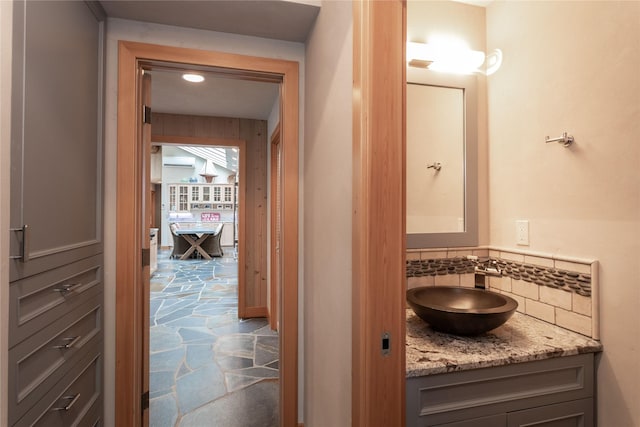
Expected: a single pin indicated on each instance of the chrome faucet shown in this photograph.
(483, 268)
(488, 268)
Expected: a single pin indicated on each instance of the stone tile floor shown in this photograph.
(207, 367)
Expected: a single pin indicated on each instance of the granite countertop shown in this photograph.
(521, 339)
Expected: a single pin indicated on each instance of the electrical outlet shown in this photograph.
(522, 232)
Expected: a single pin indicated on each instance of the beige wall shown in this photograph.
(575, 67)
(327, 228)
(118, 29)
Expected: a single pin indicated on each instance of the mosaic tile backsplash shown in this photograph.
(570, 281)
(553, 289)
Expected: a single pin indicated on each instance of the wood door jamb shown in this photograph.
(128, 280)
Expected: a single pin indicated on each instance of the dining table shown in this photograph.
(195, 237)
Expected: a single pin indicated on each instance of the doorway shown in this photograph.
(205, 362)
(130, 292)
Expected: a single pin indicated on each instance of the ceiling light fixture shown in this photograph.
(193, 78)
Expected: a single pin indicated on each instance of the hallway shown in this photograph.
(207, 367)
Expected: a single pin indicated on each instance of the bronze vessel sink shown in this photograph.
(460, 311)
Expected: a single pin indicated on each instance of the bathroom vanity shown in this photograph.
(526, 372)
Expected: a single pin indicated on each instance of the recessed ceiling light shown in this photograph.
(194, 78)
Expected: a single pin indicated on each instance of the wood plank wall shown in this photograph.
(254, 132)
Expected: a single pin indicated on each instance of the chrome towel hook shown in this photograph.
(437, 166)
(565, 139)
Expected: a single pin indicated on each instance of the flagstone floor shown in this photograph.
(207, 367)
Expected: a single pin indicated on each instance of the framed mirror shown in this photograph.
(442, 159)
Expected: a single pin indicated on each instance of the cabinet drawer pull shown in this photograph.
(24, 256)
(72, 399)
(66, 288)
(71, 342)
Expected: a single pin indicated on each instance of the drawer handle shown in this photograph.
(71, 343)
(66, 288)
(73, 400)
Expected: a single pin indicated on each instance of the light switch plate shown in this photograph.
(522, 232)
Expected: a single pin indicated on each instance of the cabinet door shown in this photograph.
(56, 135)
(206, 193)
(195, 193)
(183, 198)
(173, 198)
(217, 193)
(228, 194)
(577, 413)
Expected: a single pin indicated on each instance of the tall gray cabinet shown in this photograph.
(56, 268)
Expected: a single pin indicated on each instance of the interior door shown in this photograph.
(145, 240)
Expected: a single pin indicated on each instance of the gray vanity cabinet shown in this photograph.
(577, 413)
(556, 392)
(56, 266)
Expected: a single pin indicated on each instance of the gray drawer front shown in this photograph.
(35, 302)
(77, 403)
(490, 421)
(38, 362)
(457, 396)
(578, 413)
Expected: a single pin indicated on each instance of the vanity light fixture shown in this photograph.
(451, 55)
(193, 78)
(493, 62)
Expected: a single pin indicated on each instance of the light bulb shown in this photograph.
(193, 78)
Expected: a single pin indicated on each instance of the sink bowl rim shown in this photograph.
(509, 303)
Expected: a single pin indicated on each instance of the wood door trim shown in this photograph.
(378, 380)
(128, 224)
(273, 282)
(243, 310)
(145, 157)
(129, 329)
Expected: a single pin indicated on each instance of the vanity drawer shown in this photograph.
(75, 403)
(43, 359)
(37, 301)
(458, 396)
